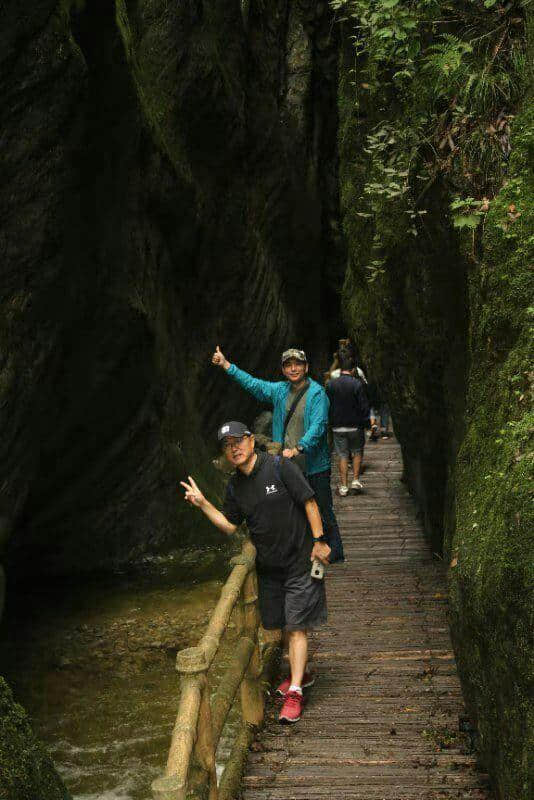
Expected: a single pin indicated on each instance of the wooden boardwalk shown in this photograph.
(382, 721)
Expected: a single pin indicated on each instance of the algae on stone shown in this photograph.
(26, 772)
(492, 543)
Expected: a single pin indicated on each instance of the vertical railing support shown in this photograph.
(204, 750)
(251, 690)
(191, 666)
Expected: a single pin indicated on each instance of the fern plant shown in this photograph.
(450, 75)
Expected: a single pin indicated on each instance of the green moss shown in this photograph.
(154, 95)
(493, 543)
(408, 320)
(169, 47)
(26, 772)
(446, 326)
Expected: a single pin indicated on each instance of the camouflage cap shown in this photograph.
(299, 355)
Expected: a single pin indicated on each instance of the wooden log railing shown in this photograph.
(190, 770)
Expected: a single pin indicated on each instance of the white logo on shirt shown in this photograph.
(270, 489)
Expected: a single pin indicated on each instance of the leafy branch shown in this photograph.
(450, 76)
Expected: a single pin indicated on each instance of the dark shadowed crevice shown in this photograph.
(98, 400)
(192, 201)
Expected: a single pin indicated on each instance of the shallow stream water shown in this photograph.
(93, 664)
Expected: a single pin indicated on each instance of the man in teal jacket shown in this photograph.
(300, 425)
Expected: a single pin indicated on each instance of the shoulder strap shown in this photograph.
(291, 411)
(278, 470)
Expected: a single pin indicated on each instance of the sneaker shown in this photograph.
(384, 435)
(343, 491)
(356, 485)
(307, 681)
(292, 708)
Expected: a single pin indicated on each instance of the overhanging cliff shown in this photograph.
(170, 184)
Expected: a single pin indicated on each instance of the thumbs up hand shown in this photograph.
(219, 359)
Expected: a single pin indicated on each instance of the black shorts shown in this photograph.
(295, 603)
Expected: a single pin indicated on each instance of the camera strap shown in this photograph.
(291, 411)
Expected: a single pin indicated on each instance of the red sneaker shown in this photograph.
(307, 681)
(292, 708)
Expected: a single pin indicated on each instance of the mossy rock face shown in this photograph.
(447, 328)
(410, 324)
(492, 547)
(169, 184)
(26, 772)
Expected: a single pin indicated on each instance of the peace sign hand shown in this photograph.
(219, 359)
(192, 493)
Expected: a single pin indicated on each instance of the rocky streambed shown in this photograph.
(94, 666)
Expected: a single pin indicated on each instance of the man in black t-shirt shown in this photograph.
(273, 497)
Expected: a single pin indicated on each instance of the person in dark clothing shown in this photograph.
(349, 417)
(379, 411)
(346, 350)
(273, 497)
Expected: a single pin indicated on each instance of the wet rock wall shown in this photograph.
(444, 318)
(170, 183)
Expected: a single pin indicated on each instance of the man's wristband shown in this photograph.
(321, 538)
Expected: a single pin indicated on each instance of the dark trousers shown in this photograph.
(320, 483)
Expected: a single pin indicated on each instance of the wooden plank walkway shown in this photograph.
(382, 721)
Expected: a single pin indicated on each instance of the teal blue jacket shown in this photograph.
(314, 441)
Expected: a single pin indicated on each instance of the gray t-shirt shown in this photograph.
(295, 429)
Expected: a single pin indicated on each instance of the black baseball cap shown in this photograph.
(236, 429)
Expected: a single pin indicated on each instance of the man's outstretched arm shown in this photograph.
(261, 390)
(194, 496)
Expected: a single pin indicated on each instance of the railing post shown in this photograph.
(191, 665)
(239, 616)
(205, 751)
(251, 691)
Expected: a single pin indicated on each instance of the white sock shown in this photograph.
(294, 688)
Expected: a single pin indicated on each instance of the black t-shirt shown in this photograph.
(349, 407)
(271, 500)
